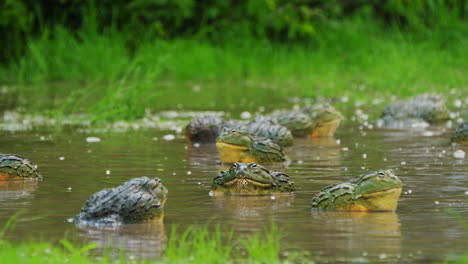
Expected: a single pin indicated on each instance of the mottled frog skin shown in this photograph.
(16, 167)
(295, 120)
(207, 128)
(460, 135)
(375, 191)
(137, 200)
(419, 111)
(266, 128)
(251, 179)
(240, 146)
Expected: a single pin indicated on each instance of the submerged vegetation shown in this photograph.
(114, 60)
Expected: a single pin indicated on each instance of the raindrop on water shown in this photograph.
(364, 156)
(93, 139)
(107, 172)
(459, 154)
(62, 158)
(436, 202)
(189, 172)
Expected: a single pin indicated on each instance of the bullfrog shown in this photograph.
(317, 120)
(206, 129)
(16, 167)
(267, 128)
(236, 145)
(460, 135)
(251, 179)
(375, 191)
(420, 111)
(137, 200)
(295, 120)
(325, 119)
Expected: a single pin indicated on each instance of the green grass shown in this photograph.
(95, 73)
(193, 245)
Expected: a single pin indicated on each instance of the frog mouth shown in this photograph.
(243, 181)
(394, 190)
(221, 144)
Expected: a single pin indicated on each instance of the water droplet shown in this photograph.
(338, 141)
(199, 183)
(272, 198)
(300, 162)
(384, 159)
(403, 163)
(261, 109)
(70, 220)
(436, 202)
(405, 192)
(61, 158)
(211, 193)
(466, 192)
(69, 188)
(344, 99)
(189, 172)
(383, 256)
(173, 173)
(428, 134)
(245, 115)
(410, 191)
(363, 167)
(344, 149)
(364, 156)
(459, 154)
(107, 172)
(196, 145)
(93, 139)
(42, 138)
(169, 137)
(155, 138)
(364, 254)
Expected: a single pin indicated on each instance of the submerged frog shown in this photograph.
(375, 191)
(240, 146)
(16, 167)
(137, 200)
(251, 179)
(420, 111)
(460, 135)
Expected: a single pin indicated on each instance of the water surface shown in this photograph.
(421, 230)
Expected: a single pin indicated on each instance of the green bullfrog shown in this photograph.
(267, 128)
(236, 145)
(375, 191)
(16, 167)
(251, 179)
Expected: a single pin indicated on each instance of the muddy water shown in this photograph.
(421, 230)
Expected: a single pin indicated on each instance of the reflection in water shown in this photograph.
(147, 240)
(360, 234)
(248, 211)
(17, 189)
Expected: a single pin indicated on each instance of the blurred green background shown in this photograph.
(116, 59)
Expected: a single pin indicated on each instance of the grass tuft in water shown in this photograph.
(193, 245)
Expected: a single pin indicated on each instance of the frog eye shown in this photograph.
(381, 174)
(235, 165)
(253, 165)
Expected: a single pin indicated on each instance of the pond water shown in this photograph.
(422, 229)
